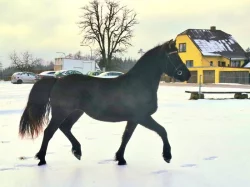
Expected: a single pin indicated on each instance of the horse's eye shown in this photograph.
(179, 72)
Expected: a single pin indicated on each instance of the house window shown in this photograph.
(221, 64)
(211, 63)
(235, 63)
(182, 47)
(189, 63)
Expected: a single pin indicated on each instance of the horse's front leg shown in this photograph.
(130, 127)
(151, 124)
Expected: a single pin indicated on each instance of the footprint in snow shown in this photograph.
(105, 161)
(211, 158)
(160, 172)
(6, 169)
(5, 141)
(87, 138)
(24, 157)
(188, 165)
(25, 165)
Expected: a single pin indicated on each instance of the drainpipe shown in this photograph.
(200, 86)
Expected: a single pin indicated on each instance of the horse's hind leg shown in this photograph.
(55, 122)
(66, 129)
(125, 138)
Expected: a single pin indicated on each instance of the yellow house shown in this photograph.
(212, 56)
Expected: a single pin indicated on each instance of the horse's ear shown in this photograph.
(170, 43)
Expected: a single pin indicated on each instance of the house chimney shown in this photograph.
(213, 28)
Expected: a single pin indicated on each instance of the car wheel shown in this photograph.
(19, 81)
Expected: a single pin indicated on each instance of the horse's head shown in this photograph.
(173, 66)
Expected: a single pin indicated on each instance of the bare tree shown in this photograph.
(24, 62)
(108, 24)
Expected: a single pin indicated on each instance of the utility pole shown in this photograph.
(90, 50)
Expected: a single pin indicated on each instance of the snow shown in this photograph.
(247, 65)
(213, 46)
(232, 40)
(209, 139)
(210, 54)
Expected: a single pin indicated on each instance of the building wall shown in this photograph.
(57, 67)
(192, 53)
(217, 70)
(205, 61)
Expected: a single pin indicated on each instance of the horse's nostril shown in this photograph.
(179, 72)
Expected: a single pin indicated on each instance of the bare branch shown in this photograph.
(24, 63)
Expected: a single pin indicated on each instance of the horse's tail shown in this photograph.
(36, 113)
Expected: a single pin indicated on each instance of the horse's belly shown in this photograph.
(112, 114)
(108, 117)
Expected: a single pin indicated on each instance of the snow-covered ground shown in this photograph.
(209, 139)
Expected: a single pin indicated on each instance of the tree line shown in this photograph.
(26, 62)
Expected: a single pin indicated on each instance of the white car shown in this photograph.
(23, 77)
(46, 74)
(110, 74)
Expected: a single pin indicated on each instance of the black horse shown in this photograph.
(131, 97)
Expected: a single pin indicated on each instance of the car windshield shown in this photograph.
(60, 72)
(47, 72)
(103, 74)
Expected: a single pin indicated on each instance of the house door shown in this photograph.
(208, 76)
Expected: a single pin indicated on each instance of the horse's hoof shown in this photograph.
(42, 162)
(122, 162)
(167, 160)
(78, 156)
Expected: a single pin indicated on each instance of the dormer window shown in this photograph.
(182, 47)
(235, 63)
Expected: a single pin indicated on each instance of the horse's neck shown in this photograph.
(147, 70)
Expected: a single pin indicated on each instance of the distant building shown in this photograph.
(213, 54)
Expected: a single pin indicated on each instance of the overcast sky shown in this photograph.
(44, 27)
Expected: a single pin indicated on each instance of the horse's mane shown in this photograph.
(158, 48)
(148, 62)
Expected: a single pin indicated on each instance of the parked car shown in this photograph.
(110, 74)
(63, 73)
(94, 73)
(46, 74)
(23, 77)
